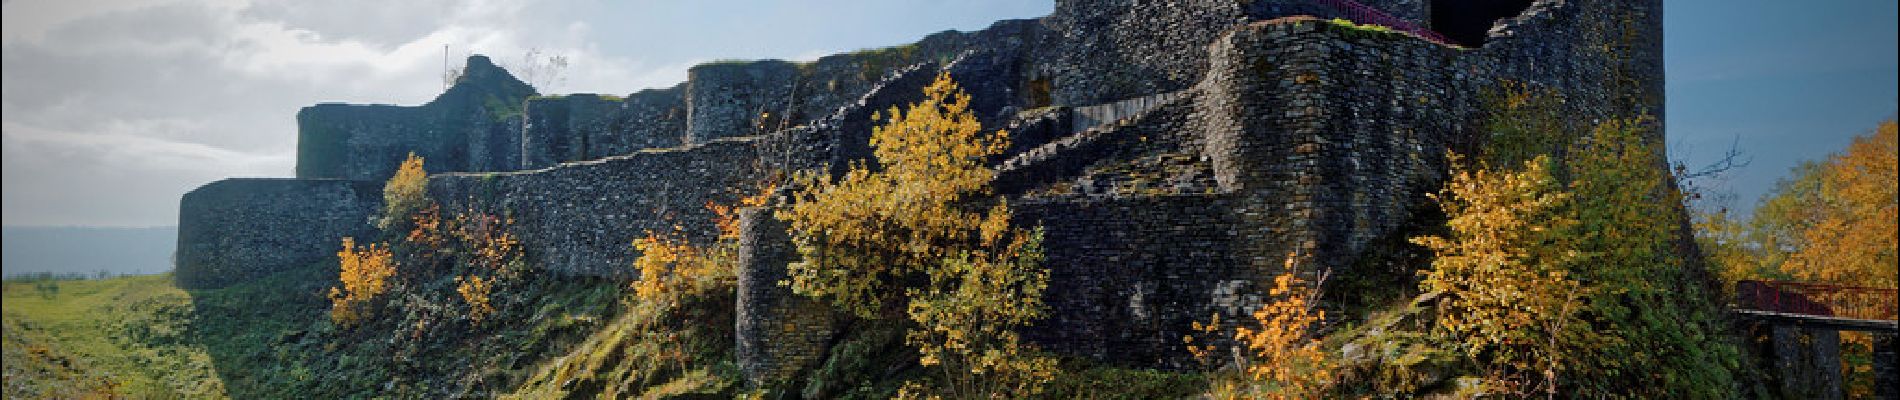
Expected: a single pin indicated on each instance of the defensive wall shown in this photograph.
(1177, 154)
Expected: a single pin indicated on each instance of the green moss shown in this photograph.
(1355, 30)
(874, 63)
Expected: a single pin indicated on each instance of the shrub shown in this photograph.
(364, 275)
(671, 268)
(1504, 272)
(922, 230)
(405, 193)
(474, 291)
(1567, 273)
(1279, 357)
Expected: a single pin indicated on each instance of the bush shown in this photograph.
(921, 230)
(405, 193)
(1504, 273)
(1279, 357)
(364, 275)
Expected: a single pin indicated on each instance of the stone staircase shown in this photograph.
(1099, 134)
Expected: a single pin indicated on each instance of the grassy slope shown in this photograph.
(145, 338)
(116, 336)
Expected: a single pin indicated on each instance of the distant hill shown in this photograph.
(88, 250)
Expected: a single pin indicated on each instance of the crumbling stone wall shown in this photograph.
(778, 333)
(238, 230)
(1286, 139)
(735, 98)
(474, 126)
(583, 126)
(1347, 129)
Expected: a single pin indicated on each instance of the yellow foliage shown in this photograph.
(1505, 270)
(1206, 354)
(405, 193)
(364, 275)
(475, 291)
(1836, 218)
(1853, 236)
(873, 225)
(871, 237)
(489, 242)
(671, 268)
(1284, 360)
(426, 228)
(726, 217)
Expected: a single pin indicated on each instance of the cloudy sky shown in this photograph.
(114, 108)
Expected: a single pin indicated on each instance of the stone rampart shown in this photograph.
(1294, 139)
(238, 230)
(582, 217)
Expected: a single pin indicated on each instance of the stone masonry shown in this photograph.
(1178, 153)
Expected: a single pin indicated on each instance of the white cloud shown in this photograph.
(114, 108)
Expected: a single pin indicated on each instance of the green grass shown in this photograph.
(119, 335)
(142, 337)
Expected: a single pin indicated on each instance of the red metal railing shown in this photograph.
(1818, 299)
(1360, 13)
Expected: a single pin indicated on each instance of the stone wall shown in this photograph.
(1128, 276)
(1331, 133)
(736, 98)
(238, 230)
(1112, 50)
(778, 333)
(1291, 139)
(582, 217)
(474, 126)
(584, 126)
(1605, 57)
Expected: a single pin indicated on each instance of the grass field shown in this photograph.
(119, 336)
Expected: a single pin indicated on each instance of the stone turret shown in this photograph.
(474, 126)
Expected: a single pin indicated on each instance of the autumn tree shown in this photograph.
(920, 234)
(1831, 221)
(1279, 356)
(1505, 272)
(404, 194)
(1562, 271)
(1852, 237)
(364, 275)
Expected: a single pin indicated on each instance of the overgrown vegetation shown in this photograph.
(1830, 221)
(1561, 273)
(105, 338)
(1558, 273)
(920, 235)
(1279, 356)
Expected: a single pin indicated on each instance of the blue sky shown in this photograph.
(114, 108)
(1783, 80)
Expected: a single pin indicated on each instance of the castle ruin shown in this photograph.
(1177, 153)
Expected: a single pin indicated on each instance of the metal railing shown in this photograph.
(1363, 14)
(1818, 299)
